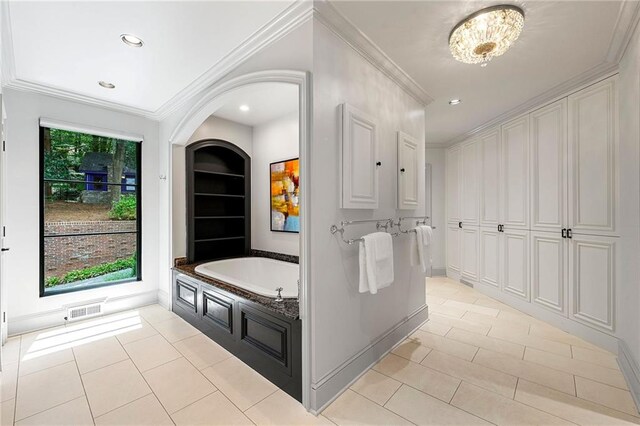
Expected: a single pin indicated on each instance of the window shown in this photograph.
(90, 211)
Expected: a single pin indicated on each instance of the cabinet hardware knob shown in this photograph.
(4, 249)
(569, 233)
(459, 224)
(402, 170)
(379, 163)
(564, 232)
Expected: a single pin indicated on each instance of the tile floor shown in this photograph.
(476, 361)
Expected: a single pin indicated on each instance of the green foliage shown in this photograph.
(124, 209)
(94, 271)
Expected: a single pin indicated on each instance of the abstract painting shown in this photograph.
(285, 196)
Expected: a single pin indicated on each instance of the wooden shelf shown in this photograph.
(220, 173)
(206, 240)
(204, 194)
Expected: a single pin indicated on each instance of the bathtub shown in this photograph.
(258, 275)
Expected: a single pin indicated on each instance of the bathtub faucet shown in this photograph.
(279, 297)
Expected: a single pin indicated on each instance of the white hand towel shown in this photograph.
(424, 235)
(376, 262)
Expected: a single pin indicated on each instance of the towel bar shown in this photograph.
(380, 224)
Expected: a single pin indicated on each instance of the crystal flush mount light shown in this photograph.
(486, 34)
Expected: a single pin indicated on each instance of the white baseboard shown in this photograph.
(439, 272)
(164, 299)
(630, 370)
(325, 391)
(55, 317)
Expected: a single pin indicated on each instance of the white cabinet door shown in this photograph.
(549, 271)
(515, 263)
(470, 239)
(407, 172)
(453, 249)
(453, 184)
(470, 185)
(489, 270)
(515, 173)
(489, 159)
(593, 152)
(548, 167)
(592, 261)
(359, 159)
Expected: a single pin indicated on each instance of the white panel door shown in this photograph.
(593, 152)
(359, 159)
(489, 159)
(489, 253)
(592, 261)
(407, 172)
(548, 167)
(515, 173)
(453, 249)
(470, 185)
(515, 263)
(469, 264)
(549, 262)
(453, 184)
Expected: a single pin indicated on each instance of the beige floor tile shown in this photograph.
(445, 344)
(41, 340)
(214, 409)
(447, 310)
(552, 333)
(460, 323)
(423, 409)
(411, 350)
(532, 341)
(569, 407)
(519, 317)
(144, 411)
(496, 345)
(531, 371)
(488, 378)
(7, 409)
(73, 413)
(151, 352)
(281, 409)
(11, 350)
(500, 410)
(178, 384)
(579, 368)
(176, 329)
(155, 314)
(480, 319)
(606, 395)
(8, 382)
(471, 307)
(99, 354)
(239, 382)
(435, 383)
(353, 409)
(45, 389)
(141, 331)
(435, 300)
(435, 328)
(491, 303)
(114, 386)
(375, 386)
(464, 297)
(595, 357)
(201, 351)
(41, 360)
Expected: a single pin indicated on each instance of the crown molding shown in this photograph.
(342, 27)
(627, 21)
(562, 90)
(288, 20)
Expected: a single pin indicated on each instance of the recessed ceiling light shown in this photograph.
(131, 40)
(107, 85)
(244, 108)
(455, 101)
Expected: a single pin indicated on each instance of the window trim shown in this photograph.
(138, 232)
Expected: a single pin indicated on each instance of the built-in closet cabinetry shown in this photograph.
(542, 212)
(407, 172)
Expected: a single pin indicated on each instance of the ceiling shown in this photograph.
(560, 40)
(266, 102)
(71, 45)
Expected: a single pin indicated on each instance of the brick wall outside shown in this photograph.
(64, 254)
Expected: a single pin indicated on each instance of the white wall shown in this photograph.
(26, 309)
(436, 157)
(273, 141)
(344, 321)
(212, 128)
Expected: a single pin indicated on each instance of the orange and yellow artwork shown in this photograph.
(285, 196)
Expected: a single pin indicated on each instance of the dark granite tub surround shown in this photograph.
(277, 256)
(288, 307)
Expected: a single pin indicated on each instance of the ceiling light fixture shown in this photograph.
(486, 34)
(107, 85)
(244, 108)
(131, 40)
(455, 101)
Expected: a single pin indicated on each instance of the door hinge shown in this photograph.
(4, 231)
(4, 317)
(4, 145)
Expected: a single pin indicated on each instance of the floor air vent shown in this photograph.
(79, 312)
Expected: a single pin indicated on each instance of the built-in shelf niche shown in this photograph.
(218, 200)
